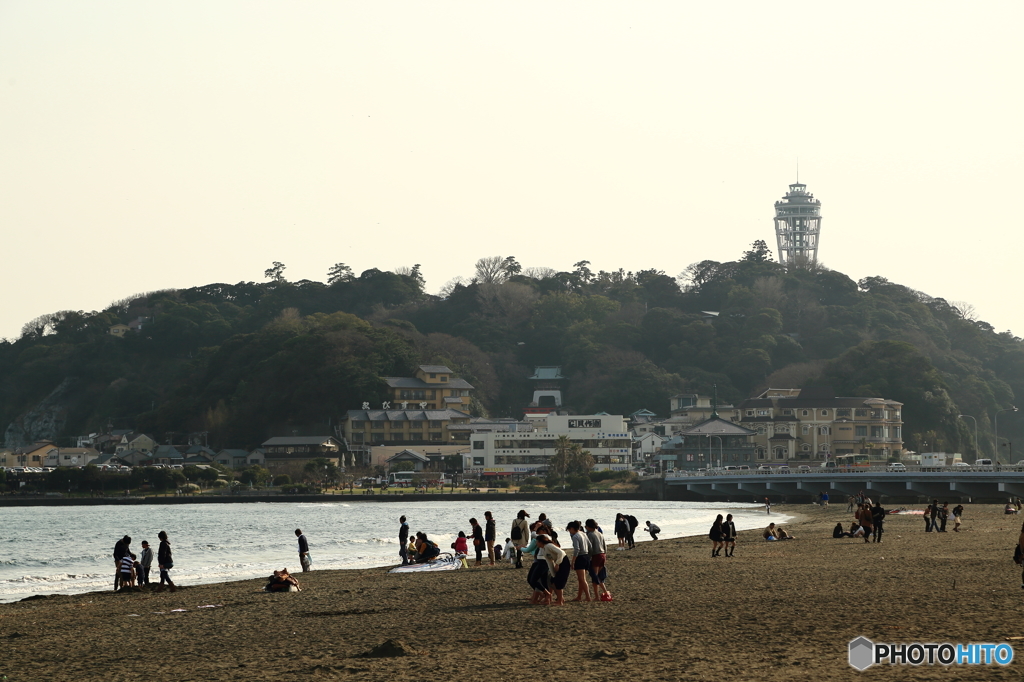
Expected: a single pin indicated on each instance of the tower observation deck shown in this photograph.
(797, 224)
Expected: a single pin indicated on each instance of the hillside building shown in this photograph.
(434, 387)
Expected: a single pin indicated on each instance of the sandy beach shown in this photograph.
(776, 611)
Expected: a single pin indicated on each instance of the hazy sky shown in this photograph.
(150, 145)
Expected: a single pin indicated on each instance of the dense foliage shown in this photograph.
(245, 361)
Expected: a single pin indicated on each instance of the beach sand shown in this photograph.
(776, 611)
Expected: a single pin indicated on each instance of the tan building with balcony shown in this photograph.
(432, 388)
(813, 423)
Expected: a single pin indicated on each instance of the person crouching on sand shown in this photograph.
(558, 568)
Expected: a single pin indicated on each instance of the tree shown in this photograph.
(275, 273)
(511, 266)
(254, 475)
(758, 253)
(491, 270)
(570, 459)
(339, 272)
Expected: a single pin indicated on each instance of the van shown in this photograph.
(983, 465)
(828, 464)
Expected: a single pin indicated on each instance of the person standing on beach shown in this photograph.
(767, 505)
(520, 535)
(824, 499)
(490, 535)
(934, 514)
(478, 540)
(716, 536)
(850, 502)
(580, 559)
(403, 540)
(165, 561)
(631, 524)
(146, 562)
(878, 517)
(621, 530)
(729, 536)
(958, 512)
(120, 550)
(598, 555)
(943, 517)
(303, 551)
(866, 521)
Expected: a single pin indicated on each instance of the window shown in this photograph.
(760, 430)
(478, 461)
(806, 430)
(435, 435)
(760, 453)
(824, 413)
(689, 457)
(746, 456)
(804, 413)
(444, 379)
(762, 413)
(735, 457)
(878, 432)
(358, 424)
(860, 431)
(787, 412)
(806, 447)
(435, 424)
(896, 432)
(433, 376)
(780, 453)
(750, 413)
(824, 447)
(843, 413)
(378, 437)
(860, 413)
(824, 430)
(416, 424)
(478, 445)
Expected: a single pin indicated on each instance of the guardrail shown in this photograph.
(832, 471)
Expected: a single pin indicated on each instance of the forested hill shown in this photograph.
(242, 361)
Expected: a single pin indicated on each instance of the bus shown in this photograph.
(409, 479)
(851, 462)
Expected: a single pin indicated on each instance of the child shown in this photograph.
(128, 571)
(509, 552)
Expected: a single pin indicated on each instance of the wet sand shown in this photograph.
(775, 611)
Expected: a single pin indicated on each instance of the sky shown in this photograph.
(147, 146)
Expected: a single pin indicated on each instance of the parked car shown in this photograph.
(744, 467)
(729, 468)
(961, 466)
(896, 466)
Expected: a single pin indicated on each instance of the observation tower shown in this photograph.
(797, 223)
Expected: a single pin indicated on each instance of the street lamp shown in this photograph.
(710, 446)
(995, 431)
(967, 416)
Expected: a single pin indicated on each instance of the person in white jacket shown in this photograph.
(558, 568)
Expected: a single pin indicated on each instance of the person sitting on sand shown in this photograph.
(782, 534)
(1009, 509)
(282, 581)
(770, 534)
(426, 550)
(838, 532)
(461, 544)
(856, 530)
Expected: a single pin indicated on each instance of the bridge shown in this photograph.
(909, 486)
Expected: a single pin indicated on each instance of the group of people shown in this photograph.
(936, 516)
(131, 572)
(868, 523)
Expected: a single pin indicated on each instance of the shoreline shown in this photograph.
(782, 611)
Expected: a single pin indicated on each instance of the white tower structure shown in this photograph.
(797, 224)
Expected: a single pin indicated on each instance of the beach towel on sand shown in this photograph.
(445, 562)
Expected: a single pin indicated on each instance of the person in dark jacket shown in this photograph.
(120, 551)
(478, 540)
(729, 536)
(165, 561)
(878, 518)
(631, 523)
(716, 536)
(490, 535)
(621, 529)
(403, 541)
(304, 558)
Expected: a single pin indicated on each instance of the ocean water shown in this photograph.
(68, 550)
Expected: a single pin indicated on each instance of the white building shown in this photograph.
(527, 454)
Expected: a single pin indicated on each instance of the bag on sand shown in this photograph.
(306, 560)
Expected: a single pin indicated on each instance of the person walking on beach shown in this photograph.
(490, 534)
(716, 536)
(478, 540)
(850, 501)
(934, 514)
(146, 562)
(943, 516)
(958, 513)
(653, 529)
(120, 549)
(165, 562)
(403, 540)
(580, 559)
(729, 536)
(304, 558)
(824, 499)
(520, 535)
(598, 555)
(878, 518)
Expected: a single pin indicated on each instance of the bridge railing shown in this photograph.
(833, 471)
